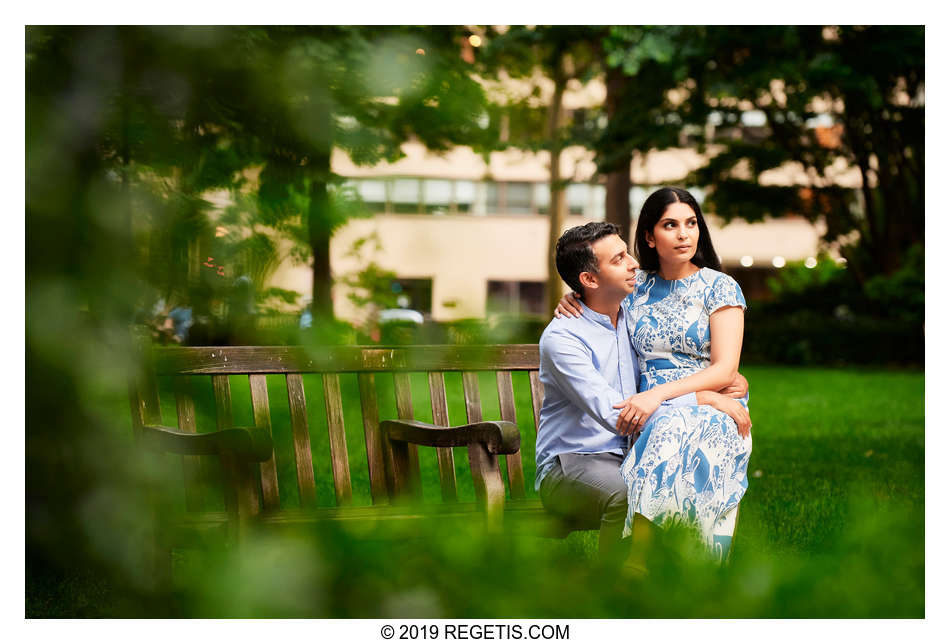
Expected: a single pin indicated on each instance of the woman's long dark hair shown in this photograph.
(653, 209)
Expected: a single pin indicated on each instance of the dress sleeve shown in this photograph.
(725, 291)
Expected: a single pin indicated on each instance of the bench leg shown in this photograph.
(489, 488)
(404, 487)
(242, 495)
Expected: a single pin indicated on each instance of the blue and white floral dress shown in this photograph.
(689, 463)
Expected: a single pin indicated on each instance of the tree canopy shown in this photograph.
(833, 98)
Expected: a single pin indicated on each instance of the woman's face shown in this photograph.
(676, 235)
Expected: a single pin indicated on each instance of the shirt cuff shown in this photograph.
(682, 401)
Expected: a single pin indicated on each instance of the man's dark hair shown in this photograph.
(573, 253)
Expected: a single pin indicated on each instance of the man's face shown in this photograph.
(615, 273)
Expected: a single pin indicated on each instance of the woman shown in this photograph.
(686, 324)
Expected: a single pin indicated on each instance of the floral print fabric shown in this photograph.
(689, 463)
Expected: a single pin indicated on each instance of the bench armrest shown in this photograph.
(498, 436)
(244, 443)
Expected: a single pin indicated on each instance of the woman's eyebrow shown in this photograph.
(666, 219)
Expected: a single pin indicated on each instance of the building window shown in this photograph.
(518, 198)
(406, 196)
(637, 196)
(494, 202)
(542, 197)
(465, 196)
(437, 194)
(415, 195)
(597, 210)
(517, 298)
(371, 191)
(414, 293)
(577, 195)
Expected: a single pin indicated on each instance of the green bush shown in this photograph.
(825, 316)
(809, 337)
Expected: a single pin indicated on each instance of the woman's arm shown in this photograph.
(726, 326)
(568, 306)
(730, 406)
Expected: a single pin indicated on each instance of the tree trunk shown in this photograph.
(320, 221)
(617, 200)
(320, 233)
(558, 207)
(617, 206)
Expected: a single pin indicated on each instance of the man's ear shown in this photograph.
(587, 280)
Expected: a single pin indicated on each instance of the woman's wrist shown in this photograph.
(666, 391)
(712, 398)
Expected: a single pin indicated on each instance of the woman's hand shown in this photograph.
(569, 306)
(635, 411)
(730, 406)
(739, 387)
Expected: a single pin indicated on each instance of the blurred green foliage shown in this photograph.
(165, 166)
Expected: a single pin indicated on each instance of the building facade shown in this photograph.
(467, 237)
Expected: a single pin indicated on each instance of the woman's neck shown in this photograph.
(677, 270)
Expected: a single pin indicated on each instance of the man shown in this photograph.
(588, 366)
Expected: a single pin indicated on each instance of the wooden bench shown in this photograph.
(252, 498)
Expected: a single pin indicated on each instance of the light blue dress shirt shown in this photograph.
(587, 366)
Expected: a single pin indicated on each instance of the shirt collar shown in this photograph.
(600, 318)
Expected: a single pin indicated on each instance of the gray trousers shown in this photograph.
(587, 489)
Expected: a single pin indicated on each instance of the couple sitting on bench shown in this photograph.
(671, 329)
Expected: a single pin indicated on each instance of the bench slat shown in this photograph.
(191, 465)
(473, 399)
(404, 410)
(261, 405)
(146, 409)
(486, 476)
(302, 452)
(506, 402)
(440, 416)
(375, 448)
(339, 459)
(222, 401)
(537, 397)
(245, 360)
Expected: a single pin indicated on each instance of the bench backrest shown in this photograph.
(369, 364)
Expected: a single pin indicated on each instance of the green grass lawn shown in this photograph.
(832, 524)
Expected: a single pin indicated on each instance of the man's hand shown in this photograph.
(730, 406)
(568, 306)
(738, 388)
(635, 411)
